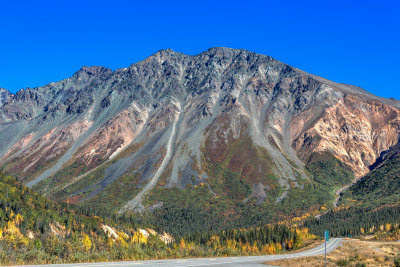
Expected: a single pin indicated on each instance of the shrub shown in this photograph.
(396, 261)
(342, 262)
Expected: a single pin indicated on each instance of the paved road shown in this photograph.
(250, 261)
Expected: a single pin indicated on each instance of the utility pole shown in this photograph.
(326, 239)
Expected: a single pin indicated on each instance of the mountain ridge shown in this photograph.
(244, 112)
(169, 51)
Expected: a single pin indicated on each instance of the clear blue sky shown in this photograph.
(355, 42)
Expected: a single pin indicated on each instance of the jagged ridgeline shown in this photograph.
(225, 138)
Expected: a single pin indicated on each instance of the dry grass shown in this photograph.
(351, 253)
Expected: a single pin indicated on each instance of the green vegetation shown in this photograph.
(327, 174)
(61, 177)
(328, 171)
(115, 195)
(207, 219)
(396, 261)
(224, 201)
(379, 187)
(109, 198)
(197, 208)
(64, 185)
(342, 262)
(265, 239)
(35, 230)
(367, 206)
(356, 221)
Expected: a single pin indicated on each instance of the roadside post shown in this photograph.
(326, 239)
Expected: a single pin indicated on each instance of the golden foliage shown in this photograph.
(12, 234)
(182, 244)
(138, 237)
(86, 242)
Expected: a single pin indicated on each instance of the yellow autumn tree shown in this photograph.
(11, 232)
(138, 237)
(110, 242)
(246, 247)
(214, 242)
(86, 242)
(270, 248)
(122, 237)
(289, 244)
(231, 244)
(182, 244)
(254, 248)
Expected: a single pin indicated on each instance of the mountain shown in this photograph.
(223, 136)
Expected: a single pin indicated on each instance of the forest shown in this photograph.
(35, 230)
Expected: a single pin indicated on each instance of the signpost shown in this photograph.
(326, 239)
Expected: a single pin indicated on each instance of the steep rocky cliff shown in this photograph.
(180, 121)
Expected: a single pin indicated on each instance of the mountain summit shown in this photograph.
(242, 127)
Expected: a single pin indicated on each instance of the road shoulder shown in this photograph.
(349, 253)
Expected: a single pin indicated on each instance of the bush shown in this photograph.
(396, 261)
(342, 262)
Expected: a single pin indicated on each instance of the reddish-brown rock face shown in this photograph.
(115, 135)
(355, 130)
(29, 154)
(166, 121)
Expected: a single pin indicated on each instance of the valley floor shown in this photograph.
(352, 252)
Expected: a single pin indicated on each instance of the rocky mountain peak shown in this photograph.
(3, 91)
(86, 73)
(166, 52)
(5, 95)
